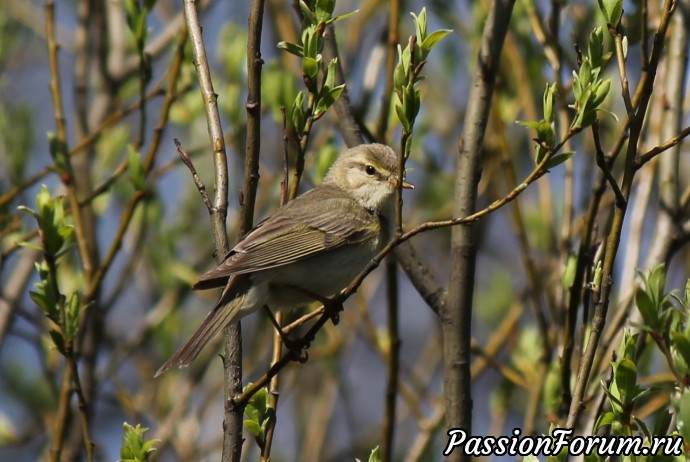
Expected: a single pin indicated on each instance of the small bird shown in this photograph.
(315, 245)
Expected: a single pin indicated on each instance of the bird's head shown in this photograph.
(369, 173)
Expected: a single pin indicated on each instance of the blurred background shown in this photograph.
(127, 96)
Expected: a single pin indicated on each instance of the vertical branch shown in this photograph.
(393, 305)
(232, 425)
(456, 315)
(393, 359)
(232, 444)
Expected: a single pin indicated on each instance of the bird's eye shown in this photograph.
(371, 171)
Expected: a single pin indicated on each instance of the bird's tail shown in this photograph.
(226, 311)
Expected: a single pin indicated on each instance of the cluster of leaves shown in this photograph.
(135, 448)
(666, 319)
(407, 74)
(317, 15)
(589, 90)
(56, 236)
(257, 415)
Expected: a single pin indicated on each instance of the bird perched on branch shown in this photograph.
(312, 247)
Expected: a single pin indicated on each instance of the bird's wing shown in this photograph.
(327, 220)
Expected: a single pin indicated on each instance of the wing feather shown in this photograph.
(296, 231)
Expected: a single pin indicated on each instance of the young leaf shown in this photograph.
(432, 39)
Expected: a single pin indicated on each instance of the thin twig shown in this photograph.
(195, 176)
(655, 151)
(603, 165)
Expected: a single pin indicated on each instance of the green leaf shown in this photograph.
(324, 9)
(549, 101)
(662, 421)
(308, 14)
(134, 445)
(614, 397)
(297, 113)
(600, 92)
(329, 78)
(310, 67)
(291, 48)
(420, 24)
(656, 283)
(628, 347)
(558, 159)
(681, 344)
(603, 420)
(647, 309)
(254, 428)
(612, 10)
(72, 312)
(375, 456)
(432, 39)
(625, 378)
(402, 117)
(595, 50)
(310, 42)
(342, 17)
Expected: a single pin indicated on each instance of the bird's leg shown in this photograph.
(296, 350)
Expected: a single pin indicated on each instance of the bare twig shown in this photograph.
(195, 176)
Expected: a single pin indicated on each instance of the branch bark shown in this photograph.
(456, 315)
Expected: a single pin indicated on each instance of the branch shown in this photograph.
(456, 317)
(232, 365)
(655, 151)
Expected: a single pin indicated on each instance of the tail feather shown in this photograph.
(225, 311)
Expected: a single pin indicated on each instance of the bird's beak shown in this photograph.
(405, 184)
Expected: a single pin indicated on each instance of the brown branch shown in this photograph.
(200, 186)
(232, 363)
(655, 151)
(456, 316)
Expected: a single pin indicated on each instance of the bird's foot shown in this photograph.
(333, 307)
